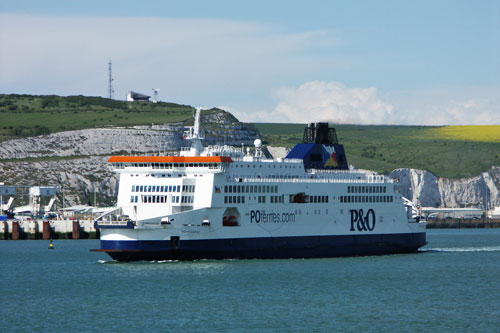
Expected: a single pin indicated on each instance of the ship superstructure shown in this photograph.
(225, 202)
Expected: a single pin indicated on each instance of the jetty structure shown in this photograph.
(38, 204)
(225, 202)
(40, 218)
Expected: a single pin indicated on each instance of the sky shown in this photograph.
(350, 62)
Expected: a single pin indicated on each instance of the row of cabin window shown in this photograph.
(276, 198)
(318, 199)
(366, 189)
(154, 199)
(157, 188)
(251, 189)
(234, 199)
(188, 188)
(187, 199)
(174, 165)
(260, 199)
(269, 166)
(365, 198)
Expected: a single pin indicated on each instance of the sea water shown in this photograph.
(452, 285)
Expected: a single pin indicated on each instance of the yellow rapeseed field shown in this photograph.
(482, 133)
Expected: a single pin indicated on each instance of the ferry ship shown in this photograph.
(220, 202)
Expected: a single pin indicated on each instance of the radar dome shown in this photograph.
(257, 143)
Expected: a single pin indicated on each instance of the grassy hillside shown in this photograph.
(449, 151)
(26, 115)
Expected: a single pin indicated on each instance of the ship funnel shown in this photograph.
(320, 148)
(320, 133)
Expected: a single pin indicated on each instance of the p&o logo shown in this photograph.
(362, 222)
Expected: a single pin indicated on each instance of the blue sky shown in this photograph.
(370, 62)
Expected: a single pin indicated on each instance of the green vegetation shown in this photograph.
(450, 151)
(27, 115)
(480, 133)
(385, 148)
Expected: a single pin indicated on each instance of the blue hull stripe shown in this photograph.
(265, 248)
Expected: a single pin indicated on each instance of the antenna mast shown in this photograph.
(110, 84)
(194, 135)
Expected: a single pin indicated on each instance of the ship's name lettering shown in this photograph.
(361, 221)
(260, 216)
(184, 231)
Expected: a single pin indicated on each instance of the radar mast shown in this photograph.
(193, 134)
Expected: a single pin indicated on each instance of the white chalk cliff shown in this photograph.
(428, 190)
(77, 160)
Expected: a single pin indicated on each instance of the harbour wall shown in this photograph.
(48, 229)
(84, 229)
(462, 223)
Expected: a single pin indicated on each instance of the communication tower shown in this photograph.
(110, 84)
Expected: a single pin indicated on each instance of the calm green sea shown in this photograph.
(453, 285)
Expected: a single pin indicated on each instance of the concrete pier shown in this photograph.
(48, 229)
(34, 231)
(84, 229)
(462, 223)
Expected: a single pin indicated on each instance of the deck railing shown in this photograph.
(370, 180)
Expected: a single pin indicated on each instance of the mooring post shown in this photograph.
(76, 229)
(16, 230)
(5, 230)
(46, 230)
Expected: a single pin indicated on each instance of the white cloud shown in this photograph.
(475, 107)
(334, 102)
(329, 101)
(466, 112)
